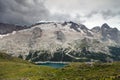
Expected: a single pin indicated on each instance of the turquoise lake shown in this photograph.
(54, 65)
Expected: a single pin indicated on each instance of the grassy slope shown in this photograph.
(17, 69)
(82, 71)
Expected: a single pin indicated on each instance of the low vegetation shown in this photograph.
(12, 68)
(17, 69)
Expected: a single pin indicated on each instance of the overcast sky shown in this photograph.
(89, 12)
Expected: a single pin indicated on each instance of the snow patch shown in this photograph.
(1, 36)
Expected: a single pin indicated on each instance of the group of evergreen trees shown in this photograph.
(60, 55)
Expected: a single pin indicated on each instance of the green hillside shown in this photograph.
(16, 69)
(82, 71)
(12, 68)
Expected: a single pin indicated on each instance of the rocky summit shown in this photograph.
(61, 41)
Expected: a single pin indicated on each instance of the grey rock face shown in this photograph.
(105, 26)
(63, 24)
(37, 32)
(96, 29)
(60, 35)
(114, 34)
(110, 33)
(68, 37)
(74, 26)
(83, 27)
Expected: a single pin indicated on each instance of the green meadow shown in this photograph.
(12, 68)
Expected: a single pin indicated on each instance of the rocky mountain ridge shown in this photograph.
(66, 41)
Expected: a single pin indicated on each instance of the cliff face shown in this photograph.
(60, 41)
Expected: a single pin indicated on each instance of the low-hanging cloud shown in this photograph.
(83, 11)
(91, 12)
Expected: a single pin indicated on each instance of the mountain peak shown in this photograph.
(105, 25)
(95, 29)
(83, 27)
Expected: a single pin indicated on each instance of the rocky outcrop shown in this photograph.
(60, 36)
(110, 33)
(96, 29)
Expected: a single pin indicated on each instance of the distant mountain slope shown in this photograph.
(67, 41)
(9, 28)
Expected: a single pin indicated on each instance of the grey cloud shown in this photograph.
(31, 11)
(22, 11)
(22, 2)
(65, 17)
(109, 14)
(91, 14)
(106, 14)
(60, 17)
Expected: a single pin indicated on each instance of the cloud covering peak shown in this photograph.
(88, 12)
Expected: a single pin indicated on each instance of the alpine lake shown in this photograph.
(53, 64)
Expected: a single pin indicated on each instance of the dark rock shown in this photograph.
(105, 25)
(9, 28)
(83, 27)
(60, 35)
(109, 33)
(114, 34)
(37, 32)
(74, 26)
(63, 24)
(96, 29)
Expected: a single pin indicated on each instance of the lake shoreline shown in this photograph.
(55, 62)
